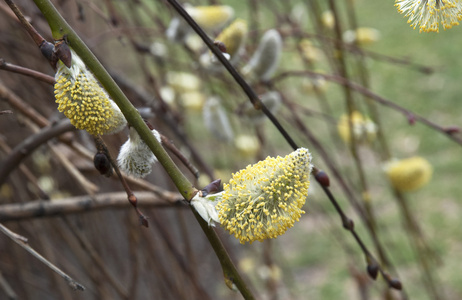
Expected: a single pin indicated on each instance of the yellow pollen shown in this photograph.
(279, 187)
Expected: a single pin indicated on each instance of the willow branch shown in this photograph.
(232, 277)
(237, 77)
(60, 29)
(26, 72)
(81, 204)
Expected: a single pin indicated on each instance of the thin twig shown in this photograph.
(101, 146)
(97, 260)
(22, 241)
(450, 132)
(7, 288)
(26, 72)
(81, 204)
(237, 77)
(38, 39)
(89, 187)
(29, 145)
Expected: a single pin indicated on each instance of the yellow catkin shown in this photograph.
(265, 199)
(84, 102)
(364, 129)
(234, 36)
(409, 174)
(211, 17)
(428, 14)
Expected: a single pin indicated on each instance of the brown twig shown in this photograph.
(170, 146)
(450, 132)
(24, 108)
(22, 241)
(26, 172)
(38, 39)
(6, 287)
(81, 204)
(101, 146)
(30, 144)
(97, 259)
(26, 72)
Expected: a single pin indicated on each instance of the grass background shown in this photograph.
(321, 268)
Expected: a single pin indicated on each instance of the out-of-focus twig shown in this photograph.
(22, 241)
(89, 187)
(27, 172)
(101, 146)
(81, 204)
(6, 287)
(26, 72)
(97, 260)
(6, 112)
(18, 104)
(30, 144)
(449, 131)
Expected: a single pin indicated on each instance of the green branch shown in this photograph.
(61, 29)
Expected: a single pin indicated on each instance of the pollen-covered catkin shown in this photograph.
(428, 14)
(265, 199)
(84, 101)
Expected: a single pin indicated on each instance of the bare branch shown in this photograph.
(22, 241)
(82, 204)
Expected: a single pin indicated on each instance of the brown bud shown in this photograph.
(48, 50)
(144, 221)
(102, 164)
(452, 130)
(348, 223)
(411, 118)
(322, 178)
(221, 46)
(63, 53)
(373, 270)
(212, 188)
(396, 284)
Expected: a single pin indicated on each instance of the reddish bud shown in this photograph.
(221, 46)
(133, 200)
(452, 130)
(411, 119)
(150, 126)
(322, 178)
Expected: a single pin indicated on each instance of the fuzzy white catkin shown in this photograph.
(135, 157)
(216, 120)
(265, 60)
